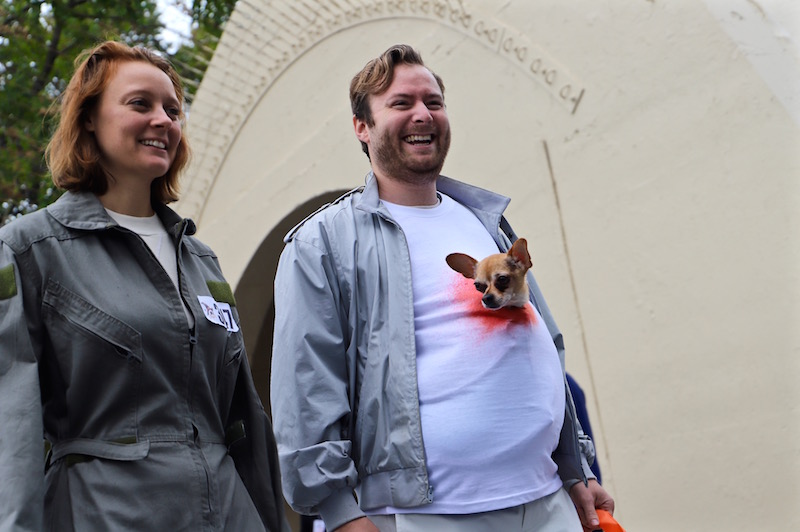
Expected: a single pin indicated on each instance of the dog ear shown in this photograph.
(519, 252)
(463, 264)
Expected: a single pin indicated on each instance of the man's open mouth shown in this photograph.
(419, 139)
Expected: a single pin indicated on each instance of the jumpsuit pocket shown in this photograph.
(230, 372)
(90, 320)
(93, 368)
(234, 350)
(110, 450)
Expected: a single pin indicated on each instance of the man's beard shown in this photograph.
(400, 165)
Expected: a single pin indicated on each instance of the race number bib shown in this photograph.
(219, 313)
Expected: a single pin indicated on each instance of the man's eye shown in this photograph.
(502, 282)
(480, 287)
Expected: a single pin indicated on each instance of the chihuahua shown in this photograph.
(499, 277)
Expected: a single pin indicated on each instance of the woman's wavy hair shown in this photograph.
(72, 154)
(375, 78)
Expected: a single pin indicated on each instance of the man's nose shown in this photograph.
(422, 113)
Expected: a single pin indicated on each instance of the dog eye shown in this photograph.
(480, 287)
(502, 282)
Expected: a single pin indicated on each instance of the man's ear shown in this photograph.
(361, 129)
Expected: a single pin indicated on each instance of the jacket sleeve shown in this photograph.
(309, 388)
(575, 451)
(586, 447)
(21, 433)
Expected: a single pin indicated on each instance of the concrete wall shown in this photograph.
(650, 149)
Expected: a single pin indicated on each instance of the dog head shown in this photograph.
(499, 277)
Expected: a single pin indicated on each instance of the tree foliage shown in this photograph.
(38, 44)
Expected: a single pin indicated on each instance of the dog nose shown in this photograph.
(489, 301)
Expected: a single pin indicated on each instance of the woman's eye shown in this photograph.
(174, 112)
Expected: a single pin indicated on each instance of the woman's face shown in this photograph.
(136, 124)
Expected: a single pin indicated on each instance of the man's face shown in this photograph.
(410, 136)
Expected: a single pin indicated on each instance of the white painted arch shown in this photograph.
(659, 192)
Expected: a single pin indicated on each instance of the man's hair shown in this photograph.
(72, 154)
(375, 78)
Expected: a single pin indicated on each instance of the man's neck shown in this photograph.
(405, 193)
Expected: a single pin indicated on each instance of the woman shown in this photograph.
(119, 337)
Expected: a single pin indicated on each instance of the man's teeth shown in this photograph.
(156, 143)
(414, 139)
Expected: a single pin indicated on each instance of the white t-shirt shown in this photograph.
(490, 383)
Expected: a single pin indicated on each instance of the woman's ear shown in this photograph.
(89, 124)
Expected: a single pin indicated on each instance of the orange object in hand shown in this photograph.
(607, 522)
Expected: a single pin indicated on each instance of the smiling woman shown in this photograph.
(120, 338)
(79, 155)
(136, 125)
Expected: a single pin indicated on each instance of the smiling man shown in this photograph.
(399, 402)
(405, 131)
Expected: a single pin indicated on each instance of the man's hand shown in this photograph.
(586, 499)
(362, 524)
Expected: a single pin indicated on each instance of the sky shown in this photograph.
(177, 23)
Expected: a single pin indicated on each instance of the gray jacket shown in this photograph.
(144, 418)
(343, 386)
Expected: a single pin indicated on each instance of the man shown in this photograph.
(396, 404)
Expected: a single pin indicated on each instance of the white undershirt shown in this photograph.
(490, 383)
(152, 231)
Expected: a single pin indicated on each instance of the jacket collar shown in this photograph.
(477, 199)
(173, 221)
(83, 210)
